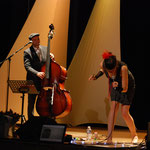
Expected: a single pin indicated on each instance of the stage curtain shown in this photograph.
(90, 103)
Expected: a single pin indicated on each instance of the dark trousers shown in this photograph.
(31, 102)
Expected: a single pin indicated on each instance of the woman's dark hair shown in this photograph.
(110, 62)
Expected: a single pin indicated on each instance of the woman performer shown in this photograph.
(121, 89)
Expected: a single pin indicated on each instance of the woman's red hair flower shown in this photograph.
(106, 55)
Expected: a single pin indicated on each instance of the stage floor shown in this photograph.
(121, 140)
(121, 137)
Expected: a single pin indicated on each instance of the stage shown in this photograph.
(121, 140)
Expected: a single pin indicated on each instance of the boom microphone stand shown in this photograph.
(9, 59)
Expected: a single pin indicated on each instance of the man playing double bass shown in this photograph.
(34, 59)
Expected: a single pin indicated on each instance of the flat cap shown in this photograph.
(33, 35)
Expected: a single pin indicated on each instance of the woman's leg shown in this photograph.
(128, 119)
(111, 120)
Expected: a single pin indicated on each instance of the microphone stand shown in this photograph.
(9, 62)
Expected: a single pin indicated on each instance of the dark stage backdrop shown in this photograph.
(133, 47)
(13, 14)
(134, 27)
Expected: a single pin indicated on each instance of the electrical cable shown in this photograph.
(113, 117)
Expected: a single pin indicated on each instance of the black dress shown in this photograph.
(115, 93)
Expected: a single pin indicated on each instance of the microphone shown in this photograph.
(27, 43)
(113, 78)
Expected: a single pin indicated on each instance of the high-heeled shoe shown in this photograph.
(135, 140)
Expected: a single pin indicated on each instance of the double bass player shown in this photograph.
(34, 59)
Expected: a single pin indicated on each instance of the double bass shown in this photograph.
(54, 100)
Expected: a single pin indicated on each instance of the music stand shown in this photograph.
(22, 86)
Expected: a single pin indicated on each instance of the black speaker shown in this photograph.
(53, 133)
(31, 129)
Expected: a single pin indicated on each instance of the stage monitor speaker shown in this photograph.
(53, 133)
(31, 129)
